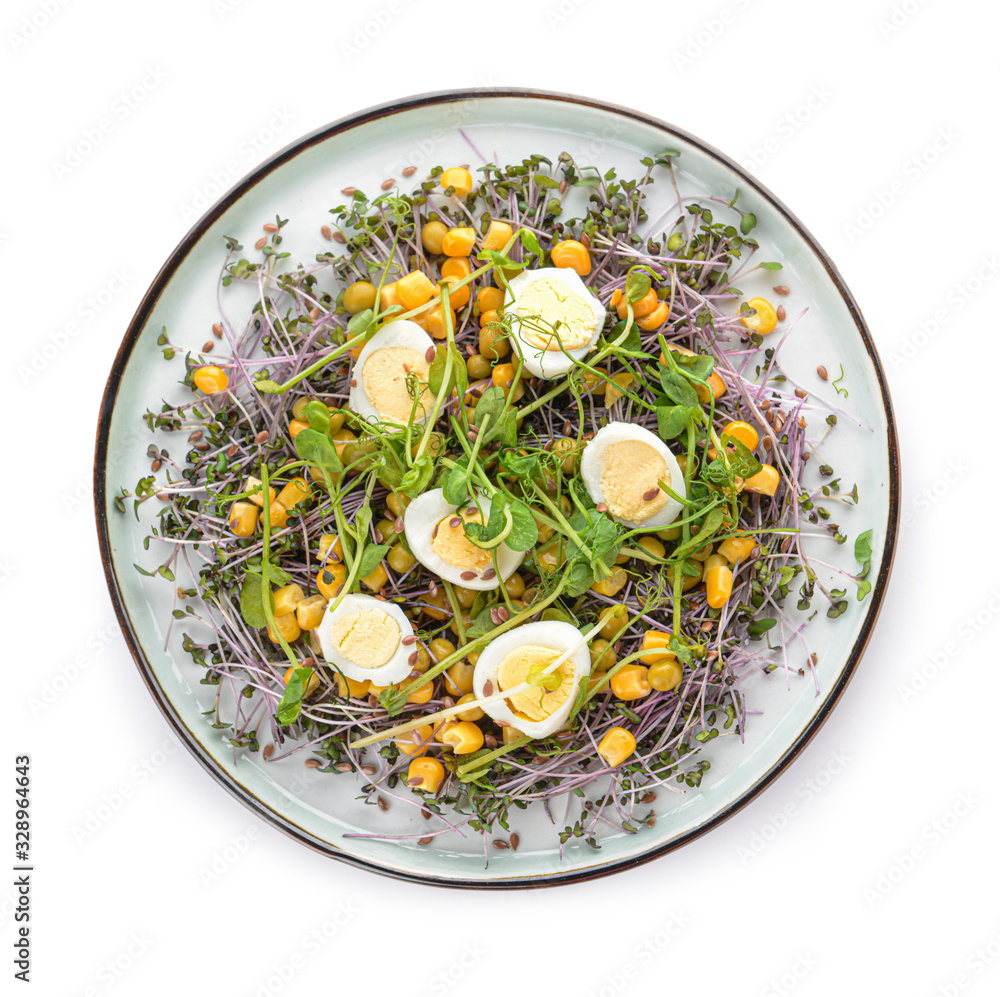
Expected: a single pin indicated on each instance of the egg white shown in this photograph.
(592, 463)
(551, 363)
(419, 520)
(395, 669)
(546, 633)
(401, 333)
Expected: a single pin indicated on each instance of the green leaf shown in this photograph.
(546, 183)
(579, 578)
(509, 428)
(758, 628)
(863, 546)
(637, 286)
(490, 535)
(530, 241)
(770, 266)
(864, 587)
(319, 417)
(291, 702)
(268, 387)
(318, 449)
(678, 388)
(418, 477)
(360, 323)
(371, 558)
(672, 420)
(519, 464)
(748, 222)
(490, 404)
(482, 624)
(251, 600)
(698, 365)
(276, 575)
(455, 485)
(524, 531)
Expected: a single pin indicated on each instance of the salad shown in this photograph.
(499, 500)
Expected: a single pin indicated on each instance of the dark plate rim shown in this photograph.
(152, 295)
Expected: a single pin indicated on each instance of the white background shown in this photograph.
(871, 865)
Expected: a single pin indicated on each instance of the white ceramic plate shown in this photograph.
(301, 183)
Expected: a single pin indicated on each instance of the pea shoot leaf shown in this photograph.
(418, 477)
(524, 530)
(482, 623)
(291, 702)
(455, 484)
(371, 558)
(637, 286)
(740, 456)
(251, 600)
(318, 449)
(519, 464)
(276, 575)
(436, 374)
(489, 535)
(699, 365)
(318, 416)
(673, 420)
(677, 388)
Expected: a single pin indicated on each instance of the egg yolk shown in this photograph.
(551, 313)
(384, 380)
(451, 544)
(367, 638)
(630, 470)
(536, 703)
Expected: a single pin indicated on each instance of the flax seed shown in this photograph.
(489, 574)
(430, 354)
(500, 846)
(515, 840)
(368, 770)
(768, 444)
(821, 370)
(326, 232)
(348, 191)
(217, 330)
(455, 521)
(490, 741)
(156, 465)
(398, 525)
(383, 804)
(354, 383)
(413, 659)
(202, 446)
(195, 436)
(467, 576)
(260, 243)
(313, 763)
(649, 797)
(424, 841)
(339, 237)
(207, 346)
(783, 290)
(799, 393)
(425, 813)
(261, 437)
(270, 227)
(802, 422)
(504, 613)
(408, 171)
(268, 751)
(648, 496)
(408, 641)
(231, 452)
(345, 767)
(487, 688)
(388, 184)
(417, 780)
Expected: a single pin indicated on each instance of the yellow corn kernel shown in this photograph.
(458, 297)
(330, 580)
(296, 426)
(295, 492)
(764, 319)
(718, 586)
(243, 518)
(359, 297)
(458, 679)
(416, 741)
(640, 308)
(341, 438)
(497, 236)
(400, 559)
(611, 585)
(616, 746)
(422, 695)
(388, 296)
(713, 561)
(441, 648)
(511, 734)
(665, 675)
(328, 540)
(414, 289)
(258, 496)
(572, 254)
(655, 644)
(287, 626)
(743, 432)
(425, 774)
(632, 682)
(655, 318)
(458, 242)
(652, 546)
(602, 655)
(737, 548)
(287, 598)
(503, 377)
(489, 299)
(456, 266)
(376, 579)
(211, 380)
(473, 713)
(463, 737)
(437, 607)
(349, 687)
(764, 482)
(615, 620)
(459, 178)
(311, 686)
(702, 553)
(277, 515)
(309, 612)
(431, 236)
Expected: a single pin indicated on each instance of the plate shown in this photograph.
(301, 183)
